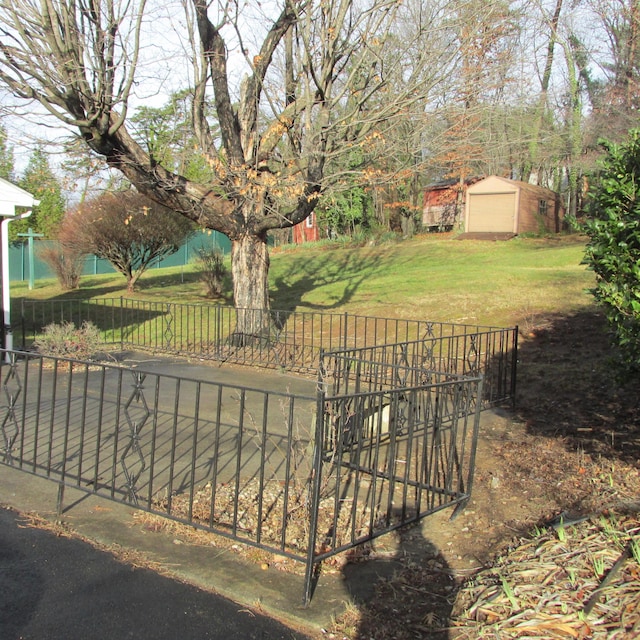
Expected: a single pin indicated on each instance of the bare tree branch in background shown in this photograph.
(277, 133)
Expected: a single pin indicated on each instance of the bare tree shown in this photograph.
(66, 262)
(315, 83)
(541, 109)
(616, 96)
(486, 35)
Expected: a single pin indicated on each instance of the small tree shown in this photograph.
(127, 229)
(613, 250)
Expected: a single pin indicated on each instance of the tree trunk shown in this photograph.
(540, 109)
(407, 223)
(250, 271)
(132, 280)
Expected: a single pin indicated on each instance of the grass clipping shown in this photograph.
(571, 581)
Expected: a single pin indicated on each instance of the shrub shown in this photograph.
(65, 339)
(212, 271)
(66, 262)
(613, 250)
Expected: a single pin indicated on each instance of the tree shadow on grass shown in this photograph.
(568, 388)
(339, 273)
(116, 323)
(114, 285)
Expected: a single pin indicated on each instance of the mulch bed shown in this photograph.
(577, 580)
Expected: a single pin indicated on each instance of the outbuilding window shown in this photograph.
(542, 207)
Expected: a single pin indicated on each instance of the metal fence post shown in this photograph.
(218, 331)
(514, 366)
(314, 497)
(23, 326)
(121, 324)
(344, 342)
(474, 441)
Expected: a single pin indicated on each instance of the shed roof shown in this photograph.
(12, 196)
(451, 182)
(500, 184)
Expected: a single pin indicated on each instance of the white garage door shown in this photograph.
(491, 212)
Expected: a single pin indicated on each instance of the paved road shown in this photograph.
(60, 588)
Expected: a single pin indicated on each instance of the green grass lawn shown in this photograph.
(435, 277)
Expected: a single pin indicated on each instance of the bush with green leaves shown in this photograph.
(67, 340)
(613, 250)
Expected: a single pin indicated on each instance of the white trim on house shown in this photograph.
(11, 196)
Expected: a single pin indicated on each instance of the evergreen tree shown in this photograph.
(6, 156)
(40, 181)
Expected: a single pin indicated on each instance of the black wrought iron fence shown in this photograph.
(292, 340)
(304, 475)
(490, 353)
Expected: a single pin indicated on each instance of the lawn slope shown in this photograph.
(435, 277)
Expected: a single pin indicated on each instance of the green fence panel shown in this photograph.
(19, 257)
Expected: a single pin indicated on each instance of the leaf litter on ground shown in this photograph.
(572, 580)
